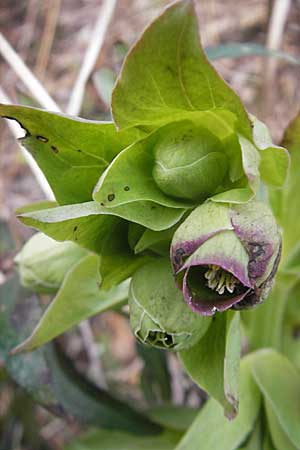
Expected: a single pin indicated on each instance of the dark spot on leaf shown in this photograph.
(75, 228)
(126, 188)
(80, 151)
(42, 138)
(102, 204)
(296, 331)
(170, 69)
(111, 197)
(55, 149)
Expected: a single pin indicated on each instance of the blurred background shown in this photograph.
(255, 45)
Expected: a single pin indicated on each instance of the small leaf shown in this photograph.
(213, 363)
(240, 49)
(211, 430)
(107, 440)
(167, 75)
(279, 382)
(275, 160)
(79, 297)
(71, 152)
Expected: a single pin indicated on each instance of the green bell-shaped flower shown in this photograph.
(226, 256)
(44, 262)
(158, 314)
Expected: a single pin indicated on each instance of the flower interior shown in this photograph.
(220, 280)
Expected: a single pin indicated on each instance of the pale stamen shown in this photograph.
(219, 280)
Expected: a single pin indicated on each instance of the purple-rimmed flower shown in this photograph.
(225, 256)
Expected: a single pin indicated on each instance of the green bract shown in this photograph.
(44, 262)
(158, 313)
(189, 162)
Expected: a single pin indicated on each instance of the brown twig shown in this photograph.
(52, 15)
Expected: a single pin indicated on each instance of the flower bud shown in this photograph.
(189, 162)
(44, 262)
(158, 313)
(226, 256)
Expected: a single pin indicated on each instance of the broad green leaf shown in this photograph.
(108, 440)
(84, 222)
(279, 438)
(213, 363)
(89, 226)
(78, 223)
(159, 315)
(155, 378)
(71, 152)
(179, 418)
(44, 262)
(279, 382)
(240, 49)
(166, 76)
(49, 378)
(284, 202)
(79, 297)
(211, 430)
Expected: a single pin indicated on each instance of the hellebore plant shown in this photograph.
(179, 207)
